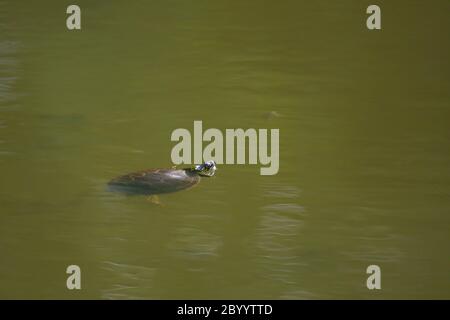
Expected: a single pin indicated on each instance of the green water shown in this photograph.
(364, 149)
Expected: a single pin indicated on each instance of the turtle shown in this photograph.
(153, 182)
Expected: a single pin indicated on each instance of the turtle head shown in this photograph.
(206, 169)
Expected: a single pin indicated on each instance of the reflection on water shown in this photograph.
(130, 281)
(364, 153)
(9, 64)
(277, 239)
(194, 243)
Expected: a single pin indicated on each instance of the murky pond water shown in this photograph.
(364, 149)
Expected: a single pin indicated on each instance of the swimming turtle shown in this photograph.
(156, 181)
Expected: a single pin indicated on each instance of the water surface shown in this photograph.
(364, 149)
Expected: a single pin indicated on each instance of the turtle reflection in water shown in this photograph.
(156, 181)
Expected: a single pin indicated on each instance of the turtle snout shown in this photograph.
(210, 164)
(210, 168)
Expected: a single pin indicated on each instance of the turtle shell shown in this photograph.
(155, 181)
